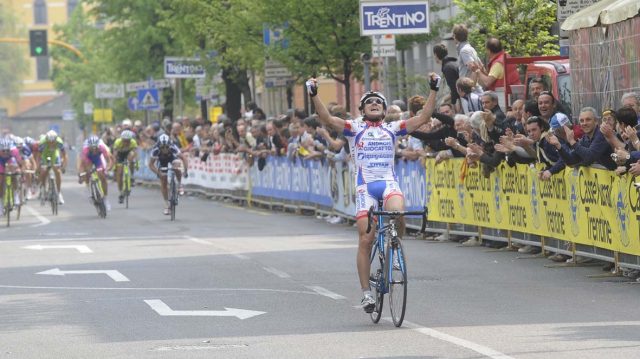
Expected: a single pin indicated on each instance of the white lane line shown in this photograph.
(198, 240)
(325, 292)
(43, 220)
(79, 248)
(165, 289)
(207, 243)
(89, 238)
(277, 272)
(481, 349)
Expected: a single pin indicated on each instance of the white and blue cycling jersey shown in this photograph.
(373, 150)
(372, 147)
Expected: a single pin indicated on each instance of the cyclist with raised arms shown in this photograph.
(52, 146)
(96, 153)
(372, 143)
(124, 149)
(163, 153)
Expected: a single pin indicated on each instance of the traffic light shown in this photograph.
(38, 42)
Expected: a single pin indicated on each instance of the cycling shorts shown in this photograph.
(122, 156)
(7, 161)
(369, 194)
(95, 159)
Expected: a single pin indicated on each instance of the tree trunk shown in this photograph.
(233, 93)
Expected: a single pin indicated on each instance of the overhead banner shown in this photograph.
(379, 17)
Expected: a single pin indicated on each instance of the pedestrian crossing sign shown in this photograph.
(148, 99)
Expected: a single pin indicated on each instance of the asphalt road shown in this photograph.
(229, 282)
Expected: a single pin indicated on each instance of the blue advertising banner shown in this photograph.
(306, 181)
(397, 17)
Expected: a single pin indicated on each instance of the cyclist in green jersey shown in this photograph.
(51, 145)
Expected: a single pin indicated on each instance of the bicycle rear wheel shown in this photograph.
(376, 282)
(173, 194)
(397, 281)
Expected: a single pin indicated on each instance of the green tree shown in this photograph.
(230, 28)
(13, 64)
(323, 38)
(70, 73)
(523, 26)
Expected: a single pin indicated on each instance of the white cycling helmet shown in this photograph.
(93, 141)
(126, 135)
(126, 123)
(370, 94)
(51, 135)
(5, 144)
(164, 140)
(18, 141)
(29, 141)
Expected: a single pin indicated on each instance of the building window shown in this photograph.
(42, 68)
(40, 12)
(71, 6)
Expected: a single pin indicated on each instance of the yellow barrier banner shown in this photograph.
(583, 205)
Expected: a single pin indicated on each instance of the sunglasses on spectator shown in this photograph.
(373, 100)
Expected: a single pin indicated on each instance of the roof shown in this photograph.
(605, 12)
(52, 109)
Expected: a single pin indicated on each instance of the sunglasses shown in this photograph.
(373, 100)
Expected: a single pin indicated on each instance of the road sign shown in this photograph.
(109, 91)
(397, 17)
(567, 8)
(275, 69)
(383, 45)
(183, 68)
(133, 103)
(68, 115)
(274, 36)
(156, 84)
(148, 99)
(88, 108)
(102, 115)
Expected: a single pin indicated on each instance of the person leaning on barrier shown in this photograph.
(624, 139)
(544, 152)
(591, 149)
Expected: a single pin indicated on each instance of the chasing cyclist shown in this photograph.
(163, 153)
(10, 161)
(372, 144)
(96, 153)
(124, 149)
(52, 146)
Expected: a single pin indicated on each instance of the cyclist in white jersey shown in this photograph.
(372, 143)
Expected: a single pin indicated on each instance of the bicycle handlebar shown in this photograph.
(372, 213)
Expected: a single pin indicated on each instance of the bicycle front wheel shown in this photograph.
(397, 281)
(53, 196)
(376, 282)
(173, 195)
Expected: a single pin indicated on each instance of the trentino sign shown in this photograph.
(183, 68)
(394, 17)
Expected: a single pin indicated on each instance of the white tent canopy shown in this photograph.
(605, 12)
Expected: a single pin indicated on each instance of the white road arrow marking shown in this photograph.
(80, 248)
(114, 274)
(161, 308)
